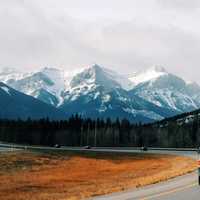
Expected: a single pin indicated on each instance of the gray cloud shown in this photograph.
(123, 36)
(184, 5)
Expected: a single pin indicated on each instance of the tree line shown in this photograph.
(77, 131)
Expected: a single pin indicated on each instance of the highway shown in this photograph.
(183, 188)
(6, 149)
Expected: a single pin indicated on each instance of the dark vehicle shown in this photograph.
(57, 145)
(144, 148)
(87, 147)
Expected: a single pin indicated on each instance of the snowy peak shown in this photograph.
(93, 81)
(86, 77)
(45, 84)
(7, 74)
(101, 76)
(168, 91)
(106, 91)
(149, 74)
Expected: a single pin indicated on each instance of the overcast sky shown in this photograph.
(124, 35)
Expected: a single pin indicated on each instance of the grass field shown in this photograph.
(74, 176)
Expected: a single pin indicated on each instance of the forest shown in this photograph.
(77, 131)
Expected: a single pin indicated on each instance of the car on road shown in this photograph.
(57, 145)
(87, 147)
(144, 148)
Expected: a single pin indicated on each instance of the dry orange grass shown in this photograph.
(34, 176)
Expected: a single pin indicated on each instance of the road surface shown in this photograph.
(180, 188)
(183, 188)
(6, 149)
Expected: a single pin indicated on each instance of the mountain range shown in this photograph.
(145, 96)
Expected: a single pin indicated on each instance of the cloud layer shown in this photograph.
(123, 35)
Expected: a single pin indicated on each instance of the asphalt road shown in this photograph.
(6, 149)
(183, 188)
(180, 188)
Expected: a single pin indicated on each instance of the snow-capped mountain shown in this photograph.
(96, 92)
(166, 90)
(14, 105)
(96, 75)
(45, 85)
(99, 92)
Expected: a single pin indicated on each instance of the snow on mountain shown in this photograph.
(15, 105)
(168, 91)
(98, 92)
(193, 90)
(93, 77)
(46, 84)
(102, 76)
(5, 89)
(87, 81)
(114, 104)
(9, 74)
(57, 76)
(147, 75)
(124, 83)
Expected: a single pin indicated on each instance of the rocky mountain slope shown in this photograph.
(149, 95)
(167, 90)
(14, 105)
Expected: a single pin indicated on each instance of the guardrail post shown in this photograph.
(198, 163)
(199, 174)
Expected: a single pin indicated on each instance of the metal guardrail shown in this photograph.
(17, 146)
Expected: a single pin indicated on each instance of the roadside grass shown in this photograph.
(61, 175)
